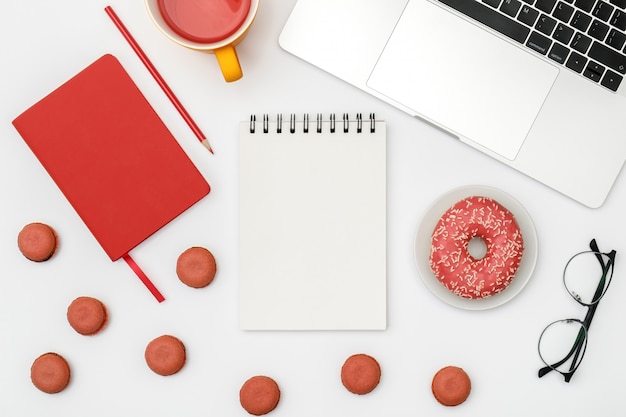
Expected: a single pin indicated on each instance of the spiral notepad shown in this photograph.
(312, 214)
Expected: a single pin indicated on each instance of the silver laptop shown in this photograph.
(536, 84)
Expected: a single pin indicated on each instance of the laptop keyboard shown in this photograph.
(586, 36)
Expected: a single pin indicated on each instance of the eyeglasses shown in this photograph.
(562, 343)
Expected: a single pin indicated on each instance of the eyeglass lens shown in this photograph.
(562, 345)
(586, 278)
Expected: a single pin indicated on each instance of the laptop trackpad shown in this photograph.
(459, 76)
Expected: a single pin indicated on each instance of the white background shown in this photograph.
(44, 43)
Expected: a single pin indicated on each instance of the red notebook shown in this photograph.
(111, 156)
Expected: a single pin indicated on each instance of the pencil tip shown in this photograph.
(207, 145)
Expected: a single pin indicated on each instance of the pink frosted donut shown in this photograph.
(452, 263)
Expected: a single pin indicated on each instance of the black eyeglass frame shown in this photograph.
(579, 347)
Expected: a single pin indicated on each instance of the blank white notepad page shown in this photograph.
(312, 226)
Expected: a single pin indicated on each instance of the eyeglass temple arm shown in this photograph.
(600, 289)
(611, 255)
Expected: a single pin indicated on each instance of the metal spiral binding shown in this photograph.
(266, 123)
(318, 124)
(292, 123)
(252, 123)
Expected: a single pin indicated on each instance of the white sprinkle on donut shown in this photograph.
(451, 261)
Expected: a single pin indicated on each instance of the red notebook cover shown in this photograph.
(111, 156)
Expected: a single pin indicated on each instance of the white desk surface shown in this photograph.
(44, 43)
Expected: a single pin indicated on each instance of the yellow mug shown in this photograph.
(214, 26)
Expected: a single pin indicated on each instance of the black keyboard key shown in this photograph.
(619, 19)
(492, 3)
(563, 12)
(595, 67)
(545, 5)
(581, 42)
(611, 80)
(593, 71)
(586, 5)
(528, 15)
(608, 57)
(539, 43)
(529, 1)
(545, 24)
(581, 21)
(510, 7)
(563, 33)
(576, 62)
(491, 18)
(591, 75)
(616, 39)
(603, 11)
(598, 30)
(558, 53)
(619, 3)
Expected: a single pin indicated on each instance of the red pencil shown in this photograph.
(158, 78)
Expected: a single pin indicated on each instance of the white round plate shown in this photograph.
(423, 244)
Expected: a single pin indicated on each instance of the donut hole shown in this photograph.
(477, 247)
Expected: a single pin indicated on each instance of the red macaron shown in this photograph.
(196, 267)
(37, 242)
(360, 374)
(50, 373)
(87, 315)
(165, 355)
(259, 395)
(451, 386)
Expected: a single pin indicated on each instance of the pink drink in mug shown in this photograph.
(214, 26)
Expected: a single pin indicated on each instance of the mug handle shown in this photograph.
(229, 63)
